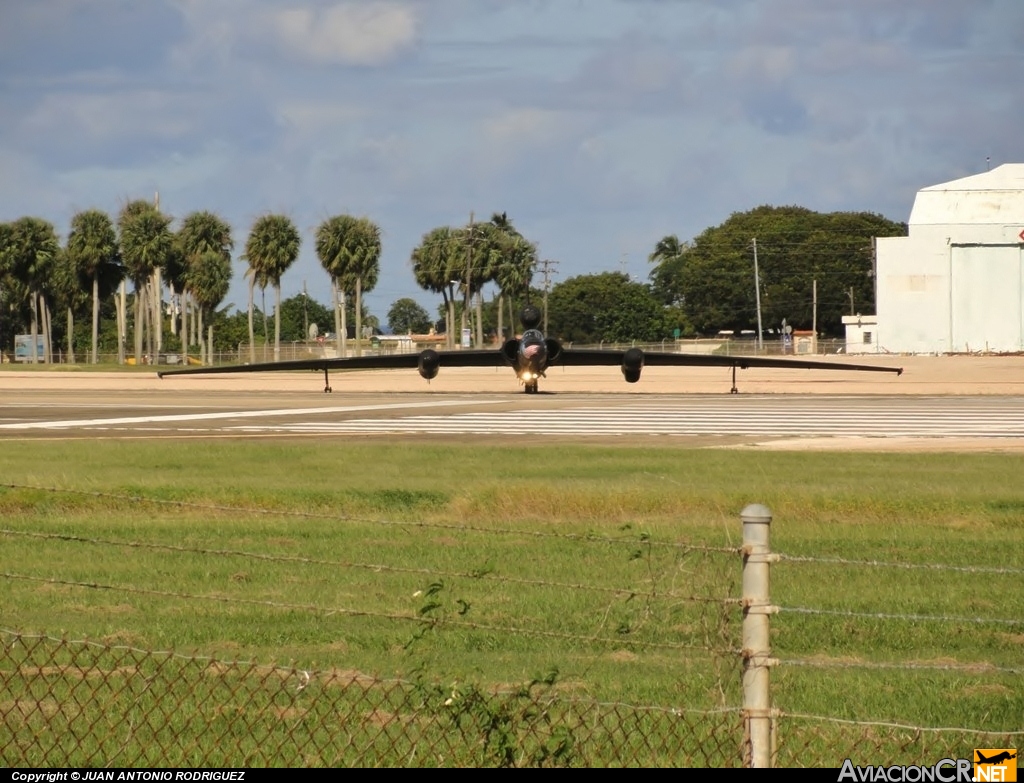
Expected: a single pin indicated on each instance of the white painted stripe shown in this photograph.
(59, 425)
(792, 418)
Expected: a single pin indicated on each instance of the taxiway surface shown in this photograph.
(772, 421)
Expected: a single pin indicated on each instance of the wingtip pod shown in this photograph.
(632, 364)
(160, 375)
(428, 364)
(899, 371)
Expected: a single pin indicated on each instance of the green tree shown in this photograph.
(146, 244)
(480, 250)
(606, 307)
(512, 270)
(93, 251)
(299, 312)
(668, 258)
(406, 316)
(272, 247)
(209, 277)
(8, 285)
(32, 250)
(68, 289)
(434, 263)
(201, 232)
(349, 249)
(714, 279)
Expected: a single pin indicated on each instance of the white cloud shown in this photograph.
(347, 33)
(100, 117)
(771, 64)
(311, 117)
(525, 126)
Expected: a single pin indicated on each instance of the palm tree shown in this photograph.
(668, 259)
(92, 249)
(6, 283)
(69, 289)
(146, 244)
(208, 278)
(272, 247)
(349, 249)
(514, 274)
(201, 232)
(433, 264)
(514, 270)
(32, 250)
(668, 247)
(364, 270)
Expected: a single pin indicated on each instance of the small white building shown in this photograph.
(955, 284)
(861, 333)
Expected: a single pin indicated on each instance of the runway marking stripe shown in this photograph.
(935, 417)
(56, 425)
(687, 420)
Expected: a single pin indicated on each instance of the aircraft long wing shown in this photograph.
(569, 357)
(583, 357)
(386, 362)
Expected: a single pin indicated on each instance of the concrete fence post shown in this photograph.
(757, 711)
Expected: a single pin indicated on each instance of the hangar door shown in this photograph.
(986, 297)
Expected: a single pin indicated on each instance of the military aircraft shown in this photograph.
(530, 357)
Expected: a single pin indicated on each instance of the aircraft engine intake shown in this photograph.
(554, 350)
(510, 351)
(632, 364)
(428, 364)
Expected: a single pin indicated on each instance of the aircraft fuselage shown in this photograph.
(529, 357)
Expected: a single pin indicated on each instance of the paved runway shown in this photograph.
(715, 419)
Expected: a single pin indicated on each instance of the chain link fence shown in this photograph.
(85, 703)
(73, 703)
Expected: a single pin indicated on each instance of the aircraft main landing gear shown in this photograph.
(327, 383)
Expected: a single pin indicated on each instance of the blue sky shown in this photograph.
(598, 126)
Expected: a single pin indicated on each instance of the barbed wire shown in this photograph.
(480, 574)
(889, 564)
(582, 537)
(893, 616)
(422, 620)
(971, 668)
(901, 726)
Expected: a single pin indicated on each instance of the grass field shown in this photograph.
(613, 566)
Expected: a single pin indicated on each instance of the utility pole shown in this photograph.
(874, 270)
(469, 264)
(814, 309)
(757, 293)
(305, 314)
(851, 301)
(158, 320)
(546, 269)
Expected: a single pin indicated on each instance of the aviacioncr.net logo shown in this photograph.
(995, 765)
(943, 771)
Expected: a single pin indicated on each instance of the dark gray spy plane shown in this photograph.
(530, 357)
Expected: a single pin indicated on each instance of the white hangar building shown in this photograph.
(955, 284)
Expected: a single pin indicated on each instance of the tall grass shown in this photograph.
(495, 564)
